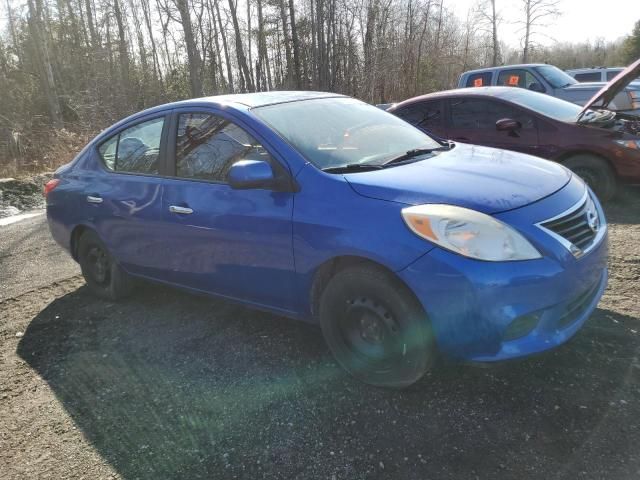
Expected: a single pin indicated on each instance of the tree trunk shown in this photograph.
(95, 40)
(249, 49)
(263, 59)
(494, 25)
(193, 56)
(296, 47)
(287, 44)
(123, 53)
(45, 69)
(227, 57)
(12, 26)
(527, 32)
(154, 51)
(217, 45)
(242, 60)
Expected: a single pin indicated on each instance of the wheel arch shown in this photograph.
(328, 269)
(76, 233)
(573, 153)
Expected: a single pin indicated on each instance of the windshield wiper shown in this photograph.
(416, 152)
(353, 167)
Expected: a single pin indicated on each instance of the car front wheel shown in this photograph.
(375, 327)
(104, 277)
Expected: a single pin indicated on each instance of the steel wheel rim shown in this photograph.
(99, 265)
(368, 329)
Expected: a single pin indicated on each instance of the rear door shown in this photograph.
(473, 120)
(427, 116)
(123, 199)
(236, 243)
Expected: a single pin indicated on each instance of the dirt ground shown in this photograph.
(169, 385)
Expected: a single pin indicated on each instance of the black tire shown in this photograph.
(596, 173)
(375, 327)
(104, 277)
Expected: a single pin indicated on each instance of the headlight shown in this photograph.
(468, 232)
(633, 144)
(634, 97)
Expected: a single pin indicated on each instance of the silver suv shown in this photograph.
(597, 74)
(552, 81)
(594, 74)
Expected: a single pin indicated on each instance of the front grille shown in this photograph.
(579, 227)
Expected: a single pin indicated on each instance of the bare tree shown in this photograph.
(43, 61)
(242, 59)
(193, 54)
(488, 20)
(537, 14)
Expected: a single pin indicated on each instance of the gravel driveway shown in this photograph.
(171, 385)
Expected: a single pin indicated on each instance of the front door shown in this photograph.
(473, 120)
(236, 243)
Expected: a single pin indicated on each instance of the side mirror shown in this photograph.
(508, 125)
(247, 174)
(536, 87)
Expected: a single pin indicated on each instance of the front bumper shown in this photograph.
(492, 311)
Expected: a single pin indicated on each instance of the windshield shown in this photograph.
(546, 105)
(335, 132)
(555, 77)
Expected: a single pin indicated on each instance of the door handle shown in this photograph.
(181, 210)
(92, 199)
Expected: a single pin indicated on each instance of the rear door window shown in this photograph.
(135, 149)
(207, 145)
(588, 77)
(516, 78)
(479, 80)
(425, 115)
(611, 74)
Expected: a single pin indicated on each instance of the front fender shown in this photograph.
(331, 220)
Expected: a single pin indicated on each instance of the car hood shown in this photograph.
(481, 178)
(615, 86)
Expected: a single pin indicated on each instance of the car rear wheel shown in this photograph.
(375, 327)
(596, 173)
(104, 277)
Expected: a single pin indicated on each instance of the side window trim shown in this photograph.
(282, 166)
(166, 115)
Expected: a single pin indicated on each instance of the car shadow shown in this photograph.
(169, 385)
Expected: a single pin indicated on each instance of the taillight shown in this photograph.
(50, 185)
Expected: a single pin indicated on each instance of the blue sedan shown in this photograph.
(320, 207)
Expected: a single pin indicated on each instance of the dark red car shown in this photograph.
(601, 146)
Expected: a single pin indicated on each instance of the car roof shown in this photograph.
(250, 100)
(505, 67)
(242, 101)
(504, 93)
(593, 69)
